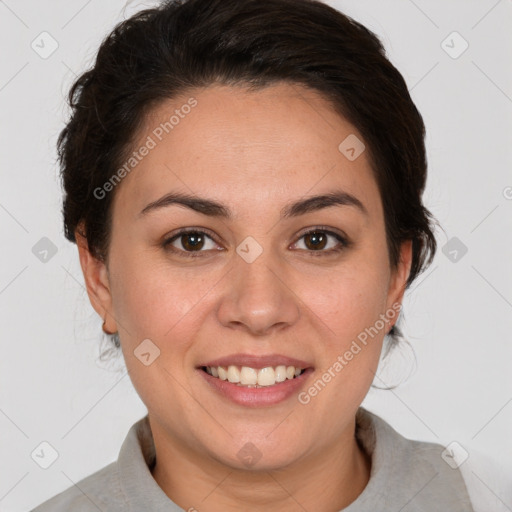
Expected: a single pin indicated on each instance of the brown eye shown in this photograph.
(315, 240)
(322, 241)
(192, 241)
(188, 242)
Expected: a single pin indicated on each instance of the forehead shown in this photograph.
(244, 147)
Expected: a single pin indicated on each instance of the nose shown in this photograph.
(258, 297)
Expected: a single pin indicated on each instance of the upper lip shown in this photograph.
(257, 362)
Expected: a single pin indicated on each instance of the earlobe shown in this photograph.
(96, 281)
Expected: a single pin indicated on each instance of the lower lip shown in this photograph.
(257, 397)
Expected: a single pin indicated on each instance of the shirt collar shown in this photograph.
(136, 459)
(378, 439)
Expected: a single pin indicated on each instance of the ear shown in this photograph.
(96, 281)
(400, 275)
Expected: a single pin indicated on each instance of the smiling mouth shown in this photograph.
(245, 376)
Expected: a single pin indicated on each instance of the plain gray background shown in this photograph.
(457, 314)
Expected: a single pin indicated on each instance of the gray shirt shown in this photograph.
(406, 476)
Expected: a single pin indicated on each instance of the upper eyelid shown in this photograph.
(324, 229)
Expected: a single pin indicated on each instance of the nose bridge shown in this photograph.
(258, 297)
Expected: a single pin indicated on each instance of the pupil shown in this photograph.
(318, 240)
(192, 240)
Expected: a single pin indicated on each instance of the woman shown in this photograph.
(244, 184)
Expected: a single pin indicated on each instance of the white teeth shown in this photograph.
(266, 377)
(233, 374)
(248, 376)
(280, 373)
(252, 377)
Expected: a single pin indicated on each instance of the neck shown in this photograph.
(327, 481)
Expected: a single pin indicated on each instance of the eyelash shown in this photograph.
(344, 243)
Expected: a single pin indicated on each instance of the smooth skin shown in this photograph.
(254, 152)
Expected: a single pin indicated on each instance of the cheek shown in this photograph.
(351, 338)
(152, 300)
(349, 300)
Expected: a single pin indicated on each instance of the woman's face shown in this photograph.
(249, 281)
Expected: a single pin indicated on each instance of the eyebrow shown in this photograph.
(215, 209)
